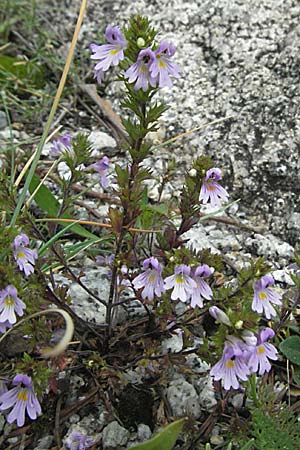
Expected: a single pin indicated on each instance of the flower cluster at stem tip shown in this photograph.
(152, 67)
(241, 357)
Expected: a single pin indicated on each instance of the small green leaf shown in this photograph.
(290, 347)
(249, 445)
(165, 440)
(47, 202)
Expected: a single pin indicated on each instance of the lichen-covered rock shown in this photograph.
(114, 435)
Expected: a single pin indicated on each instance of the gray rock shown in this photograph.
(45, 442)
(144, 432)
(114, 435)
(100, 141)
(172, 344)
(206, 391)
(183, 398)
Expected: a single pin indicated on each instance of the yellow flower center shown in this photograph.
(9, 301)
(114, 51)
(23, 396)
(262, 296)
(162, 64)
(260, 350)
(179, 279)
(229, 364)
(152, 277)
(21, 254)
(210, 187)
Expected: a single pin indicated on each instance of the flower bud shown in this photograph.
(140, 42)
(193, 173)
(219, 315)
(239, 325)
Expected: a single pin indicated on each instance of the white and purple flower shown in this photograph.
(232, 366)
(139, 72)
(10, 305)
(162, 67)
(219, 315)
(61, 145)
(151, 280)
(78, 441)
(262, 352)
(24, 256)
(108, 54)
(202, 290)
(211, 189)
(264, 297)
(102, 167)
(22, 398)
(181, 282)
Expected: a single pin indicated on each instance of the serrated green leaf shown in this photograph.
(165, 440)
(290, 347)
(48, 203)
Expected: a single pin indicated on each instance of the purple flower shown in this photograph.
(262, 352)
(61, 145)
(3, 387)
(10, 305)
(78, 441)
(162, 67)
(211, 190)
(231, 366)
(202, 290)
(182, 283)
(219, 315)
(21, 397)
(4, 326)
(102, 167)
(139, 71)
(108, 54)
(264, 296)
(24, 256)
(151, 280)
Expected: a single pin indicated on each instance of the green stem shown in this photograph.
(253, 389)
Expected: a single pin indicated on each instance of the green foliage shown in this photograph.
(48, 203)
(164, 440)
(139, 27)
(17, 70)
(37, 370)
(277, 431)
(290, 347)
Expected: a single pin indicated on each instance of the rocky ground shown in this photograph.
(240, 63)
